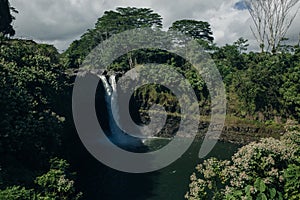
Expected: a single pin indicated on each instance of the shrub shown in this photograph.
(268, 169)
(56, 184)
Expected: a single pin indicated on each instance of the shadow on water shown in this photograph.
(101, 182)
(171, 183)
(98, 181)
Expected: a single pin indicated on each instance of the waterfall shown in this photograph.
(114, 103)
(111, 99)
(111, 104)
(107, 87)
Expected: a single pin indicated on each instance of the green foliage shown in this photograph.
(16, 193)
(112, 22)
(290, 90)
(292, 184)
(56, 184)
(197, 29)
(33, 83)
(241, 44)
(231, 55)
(206, 187)
(6, 18)
(260, 86)
(268, 169)
(30, 129)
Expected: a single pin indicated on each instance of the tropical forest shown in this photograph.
(256, 156)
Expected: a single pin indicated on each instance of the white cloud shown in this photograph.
(59, 22)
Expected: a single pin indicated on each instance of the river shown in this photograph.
(171, 183)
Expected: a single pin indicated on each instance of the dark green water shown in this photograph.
(170, 183)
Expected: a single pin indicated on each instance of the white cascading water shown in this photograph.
(111, 96)
(114, 104)
(117, 135)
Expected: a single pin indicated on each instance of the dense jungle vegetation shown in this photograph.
(39, 146)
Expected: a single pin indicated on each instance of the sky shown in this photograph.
(59, 22)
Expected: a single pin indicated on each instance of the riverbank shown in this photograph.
(236, 130)
(242, 131)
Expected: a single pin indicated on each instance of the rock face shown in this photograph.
(239, 133)
(246, 134)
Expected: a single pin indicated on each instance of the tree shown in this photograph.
(292, 185)
(112, 22)
(6, 18)
(290, 90)
(197, 29)
(241, 44)
(272, 19)
(57, 184)
(16, 193)
(268, 169)
(257, 85)
(30, 128)
(230, 55)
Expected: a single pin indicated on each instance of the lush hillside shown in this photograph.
(268, 169)
(36, 125)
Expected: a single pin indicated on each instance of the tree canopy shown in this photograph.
(197, 29)
(112, 22)
(123, 19)
(36, 121)
(6, 18)
(30, 126)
